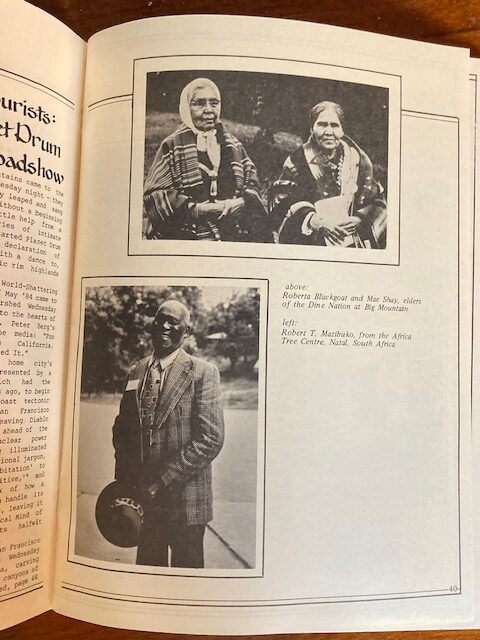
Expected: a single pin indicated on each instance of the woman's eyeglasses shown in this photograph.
(203, 102)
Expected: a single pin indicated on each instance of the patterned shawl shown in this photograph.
(175, 174)
(176, 164)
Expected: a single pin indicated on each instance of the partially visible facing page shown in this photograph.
(475, 107)
(41, 84)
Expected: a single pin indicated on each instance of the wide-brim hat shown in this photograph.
(119, 513)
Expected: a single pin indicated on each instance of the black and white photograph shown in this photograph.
(265, 158)
(169, 453)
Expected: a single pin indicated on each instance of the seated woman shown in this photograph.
(202, 185)
(326, 193)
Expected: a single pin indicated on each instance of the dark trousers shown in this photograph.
(158, 535)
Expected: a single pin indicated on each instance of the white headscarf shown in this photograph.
(206, 140)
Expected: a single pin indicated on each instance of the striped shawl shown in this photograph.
(175, 183)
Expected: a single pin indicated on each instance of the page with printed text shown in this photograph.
(267, 424)
(40, 109)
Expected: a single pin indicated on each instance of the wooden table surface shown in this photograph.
(453, 22)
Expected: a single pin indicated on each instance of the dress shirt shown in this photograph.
(164, 363)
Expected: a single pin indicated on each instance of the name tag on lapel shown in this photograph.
(132, 385)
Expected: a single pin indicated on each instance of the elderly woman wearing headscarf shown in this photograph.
(326, 193)
(202, 185)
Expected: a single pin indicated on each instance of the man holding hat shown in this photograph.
(168, 431)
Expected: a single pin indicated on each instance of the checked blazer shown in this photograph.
(187, 434)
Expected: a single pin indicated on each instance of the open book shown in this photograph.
(237, 282)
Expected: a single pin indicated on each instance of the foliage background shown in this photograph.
(285, 103)
(116, 331)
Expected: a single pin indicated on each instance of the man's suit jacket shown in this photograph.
(187, 434)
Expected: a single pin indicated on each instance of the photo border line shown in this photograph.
(257, 257)
(110, 103)
(473, 77)
(218, 601)
(17, 77)
(430, 116)
(453, 120)
(288, 602)
(459, 435)
(125, 96)
(22, 592)
(68, 560)
(243, 57)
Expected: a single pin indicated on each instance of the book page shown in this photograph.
(282, 396)
(40, 107)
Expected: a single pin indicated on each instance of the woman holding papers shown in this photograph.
(202, 185)
(326, 193)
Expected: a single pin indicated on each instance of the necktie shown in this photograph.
(151, 392)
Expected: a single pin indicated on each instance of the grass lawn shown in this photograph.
(240, 393)
(237, 393)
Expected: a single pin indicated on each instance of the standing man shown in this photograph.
(168, 431)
